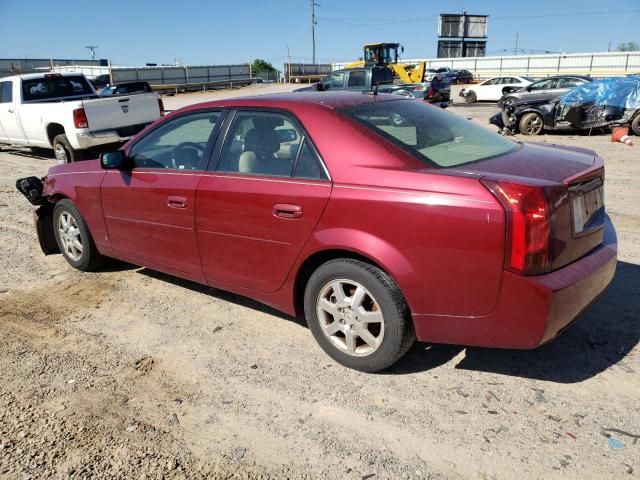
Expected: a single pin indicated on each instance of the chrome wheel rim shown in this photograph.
(69, 235)
(61, 153)
(350, 317)
(534, 126)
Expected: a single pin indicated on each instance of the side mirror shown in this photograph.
(321, 87)
(113, 160)
(528, 87)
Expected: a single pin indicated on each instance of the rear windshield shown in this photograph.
(55, 87)
(439, 138)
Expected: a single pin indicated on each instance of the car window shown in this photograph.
(55, 86)
(260, 143)
(508, 80)
(308, 164)
(356, 78)
(177, 144)
(568, 82)
(381, 75)
(493, 81)
(335, 80)
(429, 134)
(543, 84)
(6, 92)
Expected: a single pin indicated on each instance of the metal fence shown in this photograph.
(601, 64)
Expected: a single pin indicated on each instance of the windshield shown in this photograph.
(55, 87)
(430, 134)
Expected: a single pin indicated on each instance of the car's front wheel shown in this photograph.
(73, 237)
(471, 97)
(358, 315)
(531, 124)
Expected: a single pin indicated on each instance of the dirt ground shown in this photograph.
(129, 373)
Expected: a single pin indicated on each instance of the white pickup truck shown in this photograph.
(62, 111)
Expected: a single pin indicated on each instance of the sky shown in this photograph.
(134, 32)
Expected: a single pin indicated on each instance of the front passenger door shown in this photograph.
(149, 209)
(256, 209)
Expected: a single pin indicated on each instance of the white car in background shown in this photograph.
(494, 88)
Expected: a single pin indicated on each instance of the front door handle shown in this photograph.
(176, 202)
(285, 210)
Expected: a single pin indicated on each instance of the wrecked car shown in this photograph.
(599, 104)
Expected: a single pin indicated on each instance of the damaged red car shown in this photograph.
(380, 219)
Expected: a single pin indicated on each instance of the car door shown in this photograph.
(263, 196)
(540, 90)
(149, 209)
(9, 119)
(489, 89)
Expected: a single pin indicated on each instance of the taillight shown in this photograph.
(431, 92)
(161, 105)
(528, 226)
(419, 88)
(80, 118)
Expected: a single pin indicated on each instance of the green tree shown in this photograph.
(260, 65)
(628, 47)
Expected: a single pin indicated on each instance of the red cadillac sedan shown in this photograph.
(382, 219)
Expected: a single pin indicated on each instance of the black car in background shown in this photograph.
(546, 89)
(464, 76)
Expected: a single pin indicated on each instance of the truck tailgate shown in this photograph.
(121, 111)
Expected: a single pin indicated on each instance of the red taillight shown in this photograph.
(161, 105)
(431, 92)
(528, 230)
(80, 118)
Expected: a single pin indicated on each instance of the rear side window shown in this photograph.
(436, 137)
(55, 87)
(356, 79)
(308, 165)
(381, 75)
(6, 92)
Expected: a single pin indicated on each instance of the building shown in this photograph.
(462, 35)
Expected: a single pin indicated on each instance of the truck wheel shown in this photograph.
(73, 237)
(63, 150)
(470, 97)
(635, 124)
(531, 124)
(358, 315)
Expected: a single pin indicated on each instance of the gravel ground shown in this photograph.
(131, 373)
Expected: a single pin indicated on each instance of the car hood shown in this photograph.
(534, 162)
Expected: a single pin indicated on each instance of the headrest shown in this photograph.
(262, 141)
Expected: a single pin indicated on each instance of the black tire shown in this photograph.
(635, 125)
(63, 150)
(398, 334)
(531, 124)
(89, 258)
(471, 97)
(508, 101)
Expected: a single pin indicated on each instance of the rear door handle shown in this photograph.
(285, 210)
(176, 202)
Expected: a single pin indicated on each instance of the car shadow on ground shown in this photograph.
(600, 339)
(31, 152)
(220, 294)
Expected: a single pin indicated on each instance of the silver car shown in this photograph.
(544, 90)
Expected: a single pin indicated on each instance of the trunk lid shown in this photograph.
(111, 113)
(573, 182)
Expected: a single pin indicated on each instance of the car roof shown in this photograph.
(328, 100)
(32, 76)
(583, 77)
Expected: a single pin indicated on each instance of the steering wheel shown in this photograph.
(186, 146)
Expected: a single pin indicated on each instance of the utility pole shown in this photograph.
(313, 28)
(93, 49)
(515, 50)
(609, 48)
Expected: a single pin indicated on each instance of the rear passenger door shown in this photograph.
(263, 195)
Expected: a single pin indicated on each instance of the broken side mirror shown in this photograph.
(116, 160)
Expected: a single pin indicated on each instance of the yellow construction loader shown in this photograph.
(386, 54)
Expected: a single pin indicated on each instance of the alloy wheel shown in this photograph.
(69, 235)
(350, 317)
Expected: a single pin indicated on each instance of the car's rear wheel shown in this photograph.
(358, 315)
(471, 97)
(531, 124)
(73, 237)
(63, 150)
(508, 101)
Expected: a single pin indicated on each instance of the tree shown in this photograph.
(260, 65)
(628, 47)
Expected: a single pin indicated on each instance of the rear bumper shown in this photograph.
(85, 140)
(531, 310)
